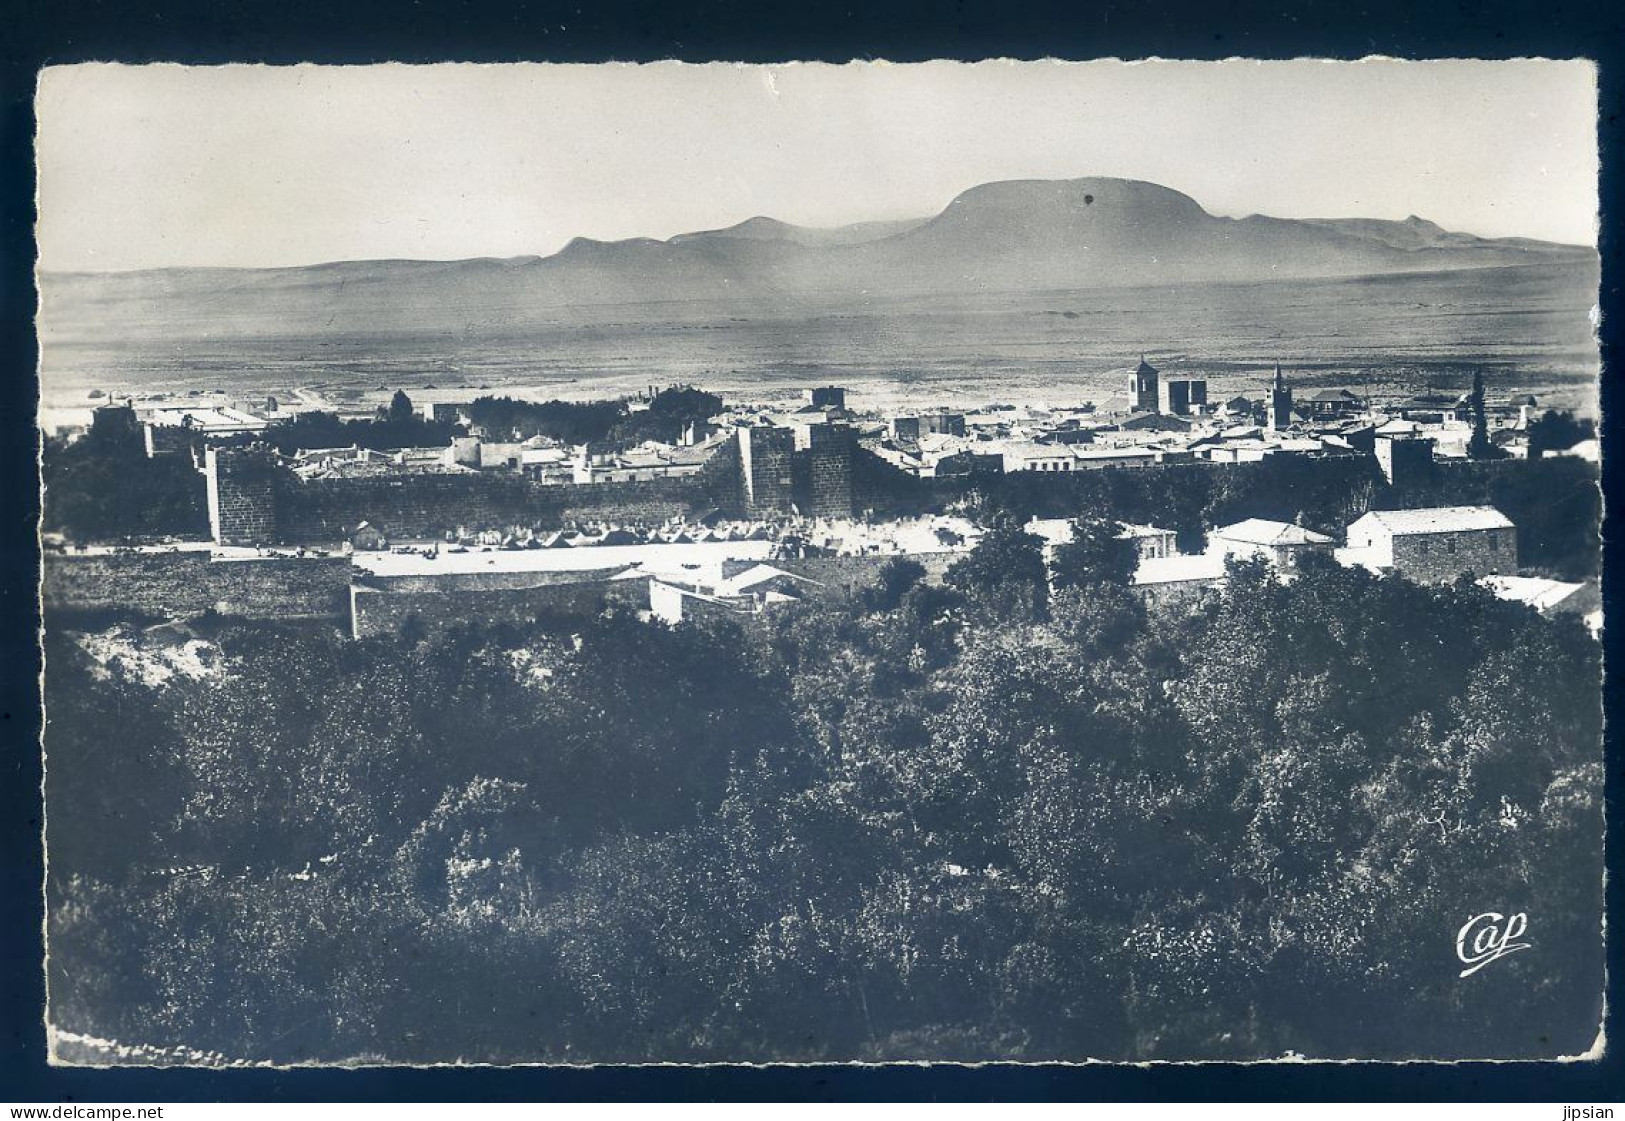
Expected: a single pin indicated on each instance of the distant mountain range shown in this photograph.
(1006, 237)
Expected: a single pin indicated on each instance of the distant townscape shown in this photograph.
(678, 502)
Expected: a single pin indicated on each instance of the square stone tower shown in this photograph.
(1143, 387)
(765, 457)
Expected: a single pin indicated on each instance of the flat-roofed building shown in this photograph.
(1040, 457)
(1169, 580)
(942, 423)
(1092, 458)
(222, 421)
(1549, 597)
(1182, 396)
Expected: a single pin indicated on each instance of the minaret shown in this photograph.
(1279, 412)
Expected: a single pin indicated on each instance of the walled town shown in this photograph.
(679, 729)
(730, 509)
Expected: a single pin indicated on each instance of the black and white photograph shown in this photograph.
(944, 562)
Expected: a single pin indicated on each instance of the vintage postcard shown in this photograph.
(1028, 562)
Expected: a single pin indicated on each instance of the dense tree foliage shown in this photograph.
(1005, 575)
(934, 822)
(1555, 502)
(1479, 445)
(1555, 431)
(400, 408)
(668, 413)
(1322, 494)
(504, 418)
(1098, 554)
(397, 426)
(101, 489)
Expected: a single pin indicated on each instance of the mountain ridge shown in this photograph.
(1005, 236)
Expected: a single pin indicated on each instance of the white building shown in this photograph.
(1150, 542)
(1177, 578)
(1280, 543)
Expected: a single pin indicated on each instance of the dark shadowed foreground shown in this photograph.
(968, 822)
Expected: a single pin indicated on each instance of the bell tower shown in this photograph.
(1280, 404)
(1143, 387)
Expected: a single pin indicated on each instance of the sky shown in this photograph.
(158, 166)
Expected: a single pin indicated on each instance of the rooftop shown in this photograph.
(1537, 592)
(1179, 570)
(1440, 519)
(1260, 531)
(205, 419)
(597, 558)
(742, 582)
(1114, 453)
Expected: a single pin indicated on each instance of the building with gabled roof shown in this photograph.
(1153, 421)
(1434, 545)
(1150, 542)
(1330, 402)
(766, 583)
(1280, 543)
(1031, 456)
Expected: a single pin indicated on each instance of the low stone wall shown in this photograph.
(1177, 593)
(379, 612)
(182, 584)
(495, 580)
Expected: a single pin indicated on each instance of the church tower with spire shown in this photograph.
(1279, 413)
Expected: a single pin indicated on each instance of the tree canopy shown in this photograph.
(1098, 553)
(923, 824)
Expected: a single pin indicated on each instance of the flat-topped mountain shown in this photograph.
(1014, 236)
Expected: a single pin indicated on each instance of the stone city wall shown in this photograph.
(254, 501)
(182, 584)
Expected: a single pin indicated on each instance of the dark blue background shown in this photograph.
(40, 32)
